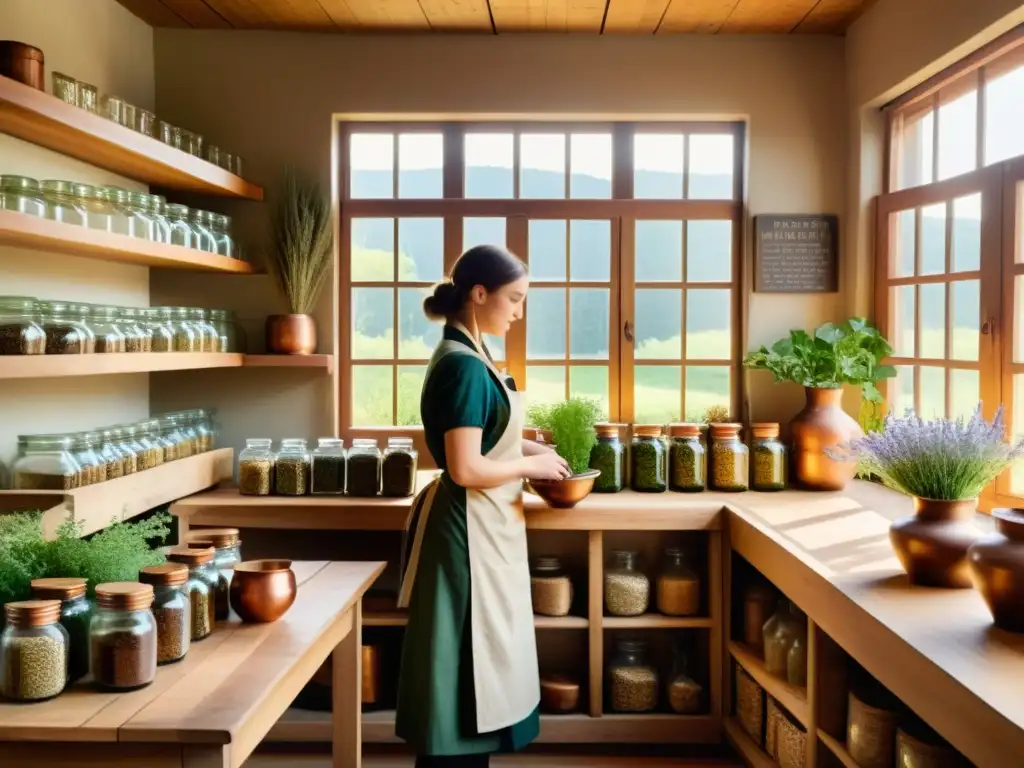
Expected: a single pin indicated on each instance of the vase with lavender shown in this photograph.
(943, 464)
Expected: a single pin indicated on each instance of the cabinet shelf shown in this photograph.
(752, 754)
(50, 366)
(656, 621)
(382, 612)
(792, 697)
(838, 749)
(290, 361)
(45, 120)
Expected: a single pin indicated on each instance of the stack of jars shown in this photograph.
(634, 682)
(627, 590)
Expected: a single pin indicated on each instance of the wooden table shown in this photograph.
(214, 707)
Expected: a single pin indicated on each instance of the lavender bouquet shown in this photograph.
(947, 459)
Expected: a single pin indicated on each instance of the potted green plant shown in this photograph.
(299, 262)
(849, 353)
(571, 424)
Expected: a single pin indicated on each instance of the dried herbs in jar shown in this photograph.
(687, 459)
(729, 458)
(769, 458)
(609, 457)
(398, 468)
(328, 472)
(647, 457)
(291, 469)
(364, 468)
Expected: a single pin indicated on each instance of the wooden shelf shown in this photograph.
(656, 621)
(838, 749)
(751, 753)
(51, 366)
(290, 361)
(792, 697)
(125, 497)
(23, 231)
(381, 611)
(42, 119)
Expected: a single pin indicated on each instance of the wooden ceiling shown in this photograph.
(497, 16)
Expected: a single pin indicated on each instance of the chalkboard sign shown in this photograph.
(796, 254)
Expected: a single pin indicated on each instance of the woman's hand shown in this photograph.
(532, 448)
(546, 466)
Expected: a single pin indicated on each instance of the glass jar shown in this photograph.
(205, 240)
(171, 610)
(768, 472)
(918, 746)
(65, 335)
(166, 133)
(398, 468)
(687, 459)
(44, 463)
(220, 226)
(99, 211)
(61, 203)
(180, 232)
(647, 459)
(550, 587)
(34, 651)
(779, 633)
(224, 321)
(327, 474)
(171, 438)
(609, 456)
(111, 108)
(227, 553)
(632, 679)
(145, 456)
(130, 452)
(65, 88)
(119, 462)
(291, 469)
(729, 458)
(145, 122)
(364, 470)
(133, 219)
(88, 97)
(137, 336)
(123, 636)
(75, 614)
(627, 591)
(206, 433)
(157, 208)
(129, 115)
(157, 322)
(186, 421)
(683, 692)
(796, 659)
(187, 338)
(82, 314)
(152, 451)
(200, 587)
(22, 195)
(199, 319)
(150, 436)
(678, 586)
(91, 466)
(213, 154)
(256, 468)
(20, 334)
(110, 339)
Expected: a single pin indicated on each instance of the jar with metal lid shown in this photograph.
(65, 334)
(130, 452)
(364, 460)
(200, 587)
(647, 459)
(769, 458)
(206, 430)
(678, 586)
(148, 431)
(123, 636)
(61, 203)
(92, 468)
(224, 321)
(110, 339)
(22, 195)
(152, 451)
(687, 459)
(75, 614)
(45, 463)
(82, 314)
(137, 337)
(256, 468)
(550, 587)
(227, 553)
(729, 458)
(33, 651)
(20, 334)
(186, 337)
(205, 240)
(119, 462)
(683, 692)
(158, 210)
(180, 232)
(171, 610)
(145, 456)
(186, 421)
(398, 468)
(220, 226)
(627, 591)
(291, 469)
(157, 322)
(175, 445)
(95, 201)
(328, 467)
(609, 457)
(632, 679)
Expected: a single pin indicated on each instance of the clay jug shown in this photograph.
(932, 545)
(821, 425)
(997, 564)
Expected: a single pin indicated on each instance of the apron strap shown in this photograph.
(416, 524)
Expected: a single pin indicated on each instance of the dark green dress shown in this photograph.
(436, 700)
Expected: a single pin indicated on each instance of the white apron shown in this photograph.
(506, 678)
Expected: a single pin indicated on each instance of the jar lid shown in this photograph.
(191, 556)
(220, 538)
(359, 442)
(32, 613)
(725, 429)
(165, 574)
(139, 198)
(58, 186)
(19, 183)
(58, 589)
(764, 430)
(87, 191)
(24, 303)
(124, 595)
(647, 430)
(45, 442)
(631, 645)
(547, 563)
(11, 49)
(684, 430)
(608, 430)
(177, 209)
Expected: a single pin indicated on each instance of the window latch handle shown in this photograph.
(628, 331)
(986, 328)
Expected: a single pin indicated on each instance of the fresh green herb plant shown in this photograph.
(572, 428)
(849, 353)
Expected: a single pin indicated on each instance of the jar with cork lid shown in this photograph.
(123, 636)
(200, 586)
(648, 463)
(687, 459)
(550, 587)
(227, 554)
(33, 651)
(768, 470)
(171, 610)
(75, 616)
(729, 458)
(609, 457)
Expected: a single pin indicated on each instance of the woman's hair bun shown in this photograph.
(443, 302)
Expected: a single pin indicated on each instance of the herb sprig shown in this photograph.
(572, 428)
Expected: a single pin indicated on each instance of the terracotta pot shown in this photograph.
(821, 425)
(932, 545)
(997, 564)
(262, 590)
(291, 335)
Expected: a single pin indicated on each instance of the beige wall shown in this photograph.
(97, 41)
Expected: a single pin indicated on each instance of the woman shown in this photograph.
(469, 684)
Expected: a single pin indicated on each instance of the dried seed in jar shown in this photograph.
(255, 477)
(678, 596)
(291, 476)
(124, 659)
(363, 475)
(201, 602)
(684, 696)
(173, 633)
(398, 475)
(634, 689)
(34, 668)
(552, 595)
(769, 469)
(19, 340)
(648, 461)
(729, 468)
(626, 594)
(328, 474)
(64, 340)
(38, 481)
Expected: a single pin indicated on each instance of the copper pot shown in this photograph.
(262, 590)
(567, 493)
(24, 63)
(291, 335)
(821, 425)
(997, 564)
(932, 545)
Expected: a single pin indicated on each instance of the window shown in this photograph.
(631, 234)
(950, 276)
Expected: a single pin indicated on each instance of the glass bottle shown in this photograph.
(759, 601)
(779, 633)
(22, 195)
(227, 553)
(20, 334)
(291, 469)
(796, 659)
(61, 203)
(220, 226)
(187, 338)
(550, 587)
(200, 587)
(137, 336)
(75, 614)
(94, 201)
(123, 636)
(609, 456)
(647, 459)
(684, 694)
(678, 586)
(171, 610)
(45, 463)
(687, 459)
(110, 339)
(729, 458)
(627, 591)
(180, 232)
(364, 471)
(205, 240)
(33, 651)
(327, 475)
(633, 680)
(768, 470)
(91, 467)
(256, 468)
(398, 468)
(65, 334)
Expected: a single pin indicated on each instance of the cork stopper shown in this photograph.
(191, 556)
(32, 613)
(58, 589)
(684, 430)
(220, 538)
(764, 430)
(607, 430)
(164, 575)
(124, 595)
(647, 430)
(725, 429)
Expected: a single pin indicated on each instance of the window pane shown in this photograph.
(417, 336)
(542, 165)
(656, 394)
(708, 251)
(372, 165)
(958, 136)
(590, 381)
(489, 171)
(371, 396)
(902, 298)
(1018, 320)
(1017, 474)
(545, 384)
(410, 386)
(708, 315)
(902, 391)
(545, 324)
(547, 249)
(710, 174)
(904, 259)
(967, 233)
(918, 151)
(659, 251)
(482, 231)
(966, 308)
(933, 320)
(373, 324)
(590, 250)
(1019, 258)
(659, 324)
(706, 387)
(1004, 116)
(420, 165)
(933, 239)
(420, 250)
(373, 250)
(658, 166)
(588, 324)
(932, 384)
(590, 159)
(965, 388)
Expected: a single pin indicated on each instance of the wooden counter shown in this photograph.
(215, 706)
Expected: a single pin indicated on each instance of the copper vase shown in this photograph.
(291, 335)
(997, 564)
(932, 545)
(262, 590)
(821, 425)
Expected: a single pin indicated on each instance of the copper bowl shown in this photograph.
(262, 590)
(565, 494)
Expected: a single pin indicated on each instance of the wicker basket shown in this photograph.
(750, 705)
(771, 726)
(790, 743)
(871, 734)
